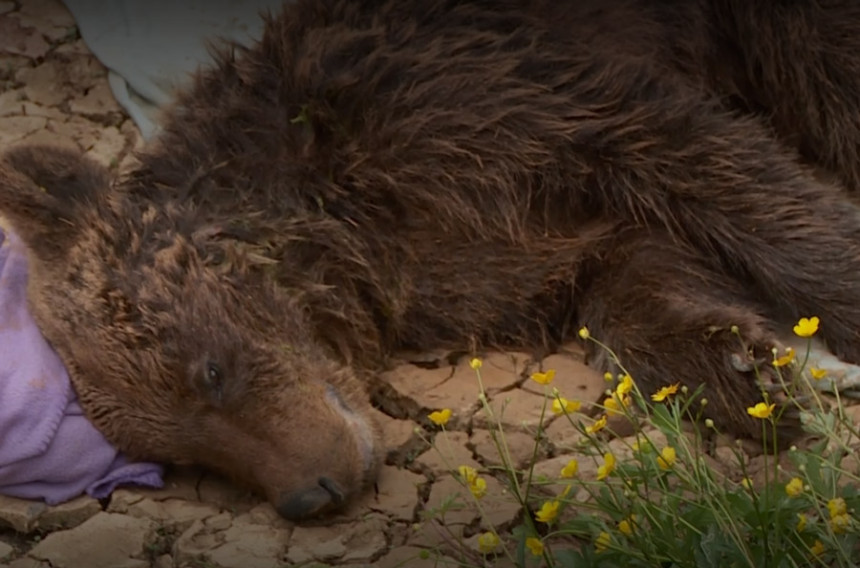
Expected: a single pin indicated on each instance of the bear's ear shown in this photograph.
(44, 192)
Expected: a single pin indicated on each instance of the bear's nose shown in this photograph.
(306, 503)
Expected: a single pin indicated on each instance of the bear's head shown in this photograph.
(179, 354)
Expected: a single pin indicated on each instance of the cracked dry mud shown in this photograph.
(53, 90)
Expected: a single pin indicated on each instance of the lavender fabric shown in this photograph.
(48, 448)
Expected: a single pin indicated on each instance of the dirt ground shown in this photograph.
(53, 90)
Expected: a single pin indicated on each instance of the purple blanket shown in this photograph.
(48, 448)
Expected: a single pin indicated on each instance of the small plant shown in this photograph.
(656, 499)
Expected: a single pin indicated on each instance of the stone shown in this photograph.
(20, 514)
(47, 136)
(397, 495)
(12, 102)
(106, 540)
(321, 544)
(16, 128)
(80, 73)
(75, 132)
(132, 133)
(50, 17)
(32, 109)
(75, 47)
(69, 514)
(563, 435)
(518, 409)
(195, 541)
(43, 84)
(169, 512)
(437, 536)
(449, 451)
(415, 557)
(520, 447)
(249, 545)
(499, 507)
(760, 469)
(573, 378)
(18, 39)
(395, 433)
(450, 502)
(107, 149)
(264, 514)
(359, 541)
(97, 101)
(547, 481)
(220, 522)
(499, 371)
(28, 562)
(5, 550)
(433, 389)
(121, 499)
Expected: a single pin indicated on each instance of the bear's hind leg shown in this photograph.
(669, 318)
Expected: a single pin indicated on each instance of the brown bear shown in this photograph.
(377, 175)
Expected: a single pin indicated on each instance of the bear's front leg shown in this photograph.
(671, 318)
(722, 184)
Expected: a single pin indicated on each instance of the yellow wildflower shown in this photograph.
(837, 507)
(840, 523)
(626, 526)
(598, 425)
(761, 410)
(478, 487)
(643, 446)
(583, 332)
(562, 405)
(611, 405)
(544, 378)
(625, 386)
(794, 487)
(488, 542)
(548, 512)
(534, 545)
(665, 392)
(785, 359)
(746, 482)
(475, 363)
(817, 374)
(467, 473)
(801, 522)
(570, 469)
(607, 376)
(667, 457)
(440, 417)
(607, 468)
(602, 542)
(817, 548)
(806, 327)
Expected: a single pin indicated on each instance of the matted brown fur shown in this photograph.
(419, 173)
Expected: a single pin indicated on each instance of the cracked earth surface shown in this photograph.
(53, 90)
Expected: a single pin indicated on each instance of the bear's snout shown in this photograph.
(310, 502)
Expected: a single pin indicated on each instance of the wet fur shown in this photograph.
(381, 175)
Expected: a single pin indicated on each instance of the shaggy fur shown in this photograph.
(376, 175)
